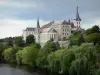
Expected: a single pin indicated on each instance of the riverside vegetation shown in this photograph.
(81, 58)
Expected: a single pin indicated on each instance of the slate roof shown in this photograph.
(30, 29)
(64, 22)
(47, 25)
(77, 15)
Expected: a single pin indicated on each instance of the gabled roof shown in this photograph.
(49, 30)
(47, 25)
(52, 30)
(45, 30)
(64, 22)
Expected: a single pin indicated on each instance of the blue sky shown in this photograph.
(16, 15)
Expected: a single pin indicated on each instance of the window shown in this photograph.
(67, 33)
(77, 22)
(63, 29)
(63, 33)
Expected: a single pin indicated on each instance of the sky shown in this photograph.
(16, 15)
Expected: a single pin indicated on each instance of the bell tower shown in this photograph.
(77, 20)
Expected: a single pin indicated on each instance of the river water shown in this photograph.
(9, 70)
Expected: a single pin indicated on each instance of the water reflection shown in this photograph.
(8, 70)
(21, 70)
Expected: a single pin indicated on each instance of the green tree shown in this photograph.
(66, 61)
(19, 41)
(29, 55)
(30, 40)
(77, 38)
(97, 72)
(80, 67)
(9, 41)
(49, 47)
(94, 37)
(10, 54)
(19, 57)
(2, 48)
(80, 39)
(88, 31)
(54, 63)
(95, 29)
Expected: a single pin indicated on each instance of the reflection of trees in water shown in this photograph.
(22, 70)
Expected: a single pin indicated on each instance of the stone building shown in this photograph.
(57, 30)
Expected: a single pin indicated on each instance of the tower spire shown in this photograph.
(69, 21)
(38, 30)
(38, 24)
(77, 15)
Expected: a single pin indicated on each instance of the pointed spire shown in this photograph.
(77, 15)
(38, 24)
(69, 21)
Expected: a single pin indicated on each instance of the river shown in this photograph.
(12, 70)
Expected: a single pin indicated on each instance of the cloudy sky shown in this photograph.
(16, 15)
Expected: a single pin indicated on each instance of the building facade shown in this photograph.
(57, 30)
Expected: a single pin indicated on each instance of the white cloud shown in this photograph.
(10, 27)
(91, 23)
(96, 22)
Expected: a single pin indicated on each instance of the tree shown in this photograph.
(66, 61)
(80, 39)
(19, 41)
(30, 40)
(10, 54)
(2, 48)
(9, 41)
(54, 63)
(94, 37)
(95, 29)
(50, 46)
(28, 55)
(80, 67)
(88, 31)
(19, 57)
(77, 38)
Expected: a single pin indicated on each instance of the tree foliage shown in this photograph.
(10, 54)
(28, 55)
(19, 41)
(30, 39)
